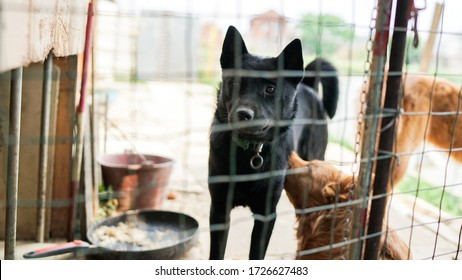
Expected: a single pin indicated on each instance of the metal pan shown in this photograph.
(169, 236)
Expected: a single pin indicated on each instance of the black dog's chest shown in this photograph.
(249, 187)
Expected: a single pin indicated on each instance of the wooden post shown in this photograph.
(428, 50)
(31, 114)
(63, 145)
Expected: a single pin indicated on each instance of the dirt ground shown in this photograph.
(173, 119)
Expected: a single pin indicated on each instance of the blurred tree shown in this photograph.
(323, 35)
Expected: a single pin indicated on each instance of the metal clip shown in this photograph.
(256, 161)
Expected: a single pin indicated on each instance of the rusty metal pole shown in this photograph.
(387, 133)
(13, 163)
(44, 130)
(77, 161)
(358, 224)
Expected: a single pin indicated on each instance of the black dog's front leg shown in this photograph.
(219, 229)
(261, 235)
(264, 218)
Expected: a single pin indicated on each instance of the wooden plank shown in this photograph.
(31, 28)
(63, 146)
(29, 154)
(428, 49)
(28, 158)
(29, 150)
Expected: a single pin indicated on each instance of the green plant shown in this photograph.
(431, 194)
(107, 201)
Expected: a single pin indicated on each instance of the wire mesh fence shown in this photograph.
(342, 127)
(157, 72)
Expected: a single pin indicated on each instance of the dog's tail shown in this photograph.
(320, 70)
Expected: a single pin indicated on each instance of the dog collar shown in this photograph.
(241, 143)
(256, 161)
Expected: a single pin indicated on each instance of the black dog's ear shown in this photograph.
(233, 48)
(291, 58)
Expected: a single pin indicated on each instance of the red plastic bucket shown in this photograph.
(139, 181)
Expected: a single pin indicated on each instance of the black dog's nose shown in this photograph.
(244, 114)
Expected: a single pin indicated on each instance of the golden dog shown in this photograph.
(314, 184)
(424, 94)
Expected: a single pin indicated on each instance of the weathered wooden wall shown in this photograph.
(29, 29)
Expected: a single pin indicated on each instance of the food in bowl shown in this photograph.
(125, 236)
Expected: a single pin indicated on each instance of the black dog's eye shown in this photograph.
(270, 89)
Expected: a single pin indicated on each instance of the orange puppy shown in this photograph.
(315, 184)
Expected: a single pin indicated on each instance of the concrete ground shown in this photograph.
(173, 119)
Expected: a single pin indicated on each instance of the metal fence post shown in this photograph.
(380, 44)
(387, 132)
(13, 163)
(43, 165)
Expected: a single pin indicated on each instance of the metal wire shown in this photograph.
(188, 131)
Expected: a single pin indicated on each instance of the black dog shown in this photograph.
(311, 138)
(251, 135)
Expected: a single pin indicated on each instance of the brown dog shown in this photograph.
(423, 94)
(315, 184)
